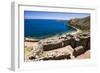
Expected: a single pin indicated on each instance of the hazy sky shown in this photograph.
(53, 15)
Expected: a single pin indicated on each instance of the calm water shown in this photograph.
(42, 28)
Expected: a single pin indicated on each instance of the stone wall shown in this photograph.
(73, 41)
(78, 51)
(52, 46)
(79, 44)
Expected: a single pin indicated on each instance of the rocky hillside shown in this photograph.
(81, 23)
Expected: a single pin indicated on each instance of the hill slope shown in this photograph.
(82, 23)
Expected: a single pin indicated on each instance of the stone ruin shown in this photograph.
(80, 45)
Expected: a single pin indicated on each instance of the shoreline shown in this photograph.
(57, 35)
(32, 45)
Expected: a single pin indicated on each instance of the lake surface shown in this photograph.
(39, 28)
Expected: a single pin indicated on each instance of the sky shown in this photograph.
(53, 15)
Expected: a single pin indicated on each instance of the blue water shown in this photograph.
(39, 28)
